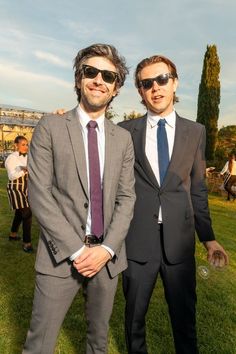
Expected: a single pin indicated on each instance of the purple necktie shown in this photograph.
(95, 181)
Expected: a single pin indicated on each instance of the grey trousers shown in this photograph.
(52, 299)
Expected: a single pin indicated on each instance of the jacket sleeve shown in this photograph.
(199, 193)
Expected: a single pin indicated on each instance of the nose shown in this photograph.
(98, 79)
(155, 85)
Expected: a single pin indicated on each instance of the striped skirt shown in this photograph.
(18, 193)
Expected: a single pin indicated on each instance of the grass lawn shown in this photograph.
(216, 309)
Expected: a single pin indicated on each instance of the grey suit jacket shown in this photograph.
(58, 191)
(182, 196)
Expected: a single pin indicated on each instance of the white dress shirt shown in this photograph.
(15, 164)
(84, 119)
(151, 142)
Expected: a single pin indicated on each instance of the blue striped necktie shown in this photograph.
(162, 149)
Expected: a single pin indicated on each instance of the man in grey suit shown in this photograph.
(81, 190)
(171, 204)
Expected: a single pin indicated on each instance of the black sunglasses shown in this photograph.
(90, 72)
(162, 80)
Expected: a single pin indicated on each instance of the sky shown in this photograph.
(39, 40)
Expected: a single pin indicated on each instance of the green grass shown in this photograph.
(216, 309)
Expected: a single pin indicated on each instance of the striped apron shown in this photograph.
(18, 193)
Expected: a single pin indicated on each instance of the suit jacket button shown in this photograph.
(86, 205)
(82, 227)
(155, 216)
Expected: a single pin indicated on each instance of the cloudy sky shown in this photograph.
(39, 40)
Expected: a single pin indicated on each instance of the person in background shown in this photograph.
(17, 190)
(229, 174)
(171, 204)
(81, 190)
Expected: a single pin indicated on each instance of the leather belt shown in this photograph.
(92, 240)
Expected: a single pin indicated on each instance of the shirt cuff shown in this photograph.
(112, 253)
(77, 254)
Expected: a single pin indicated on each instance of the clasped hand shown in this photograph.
(91, 261)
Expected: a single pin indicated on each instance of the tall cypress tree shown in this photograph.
(209, 99)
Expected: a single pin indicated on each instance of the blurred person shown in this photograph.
(171, 204)
(17, 190)
(229, 174)
(81, 190)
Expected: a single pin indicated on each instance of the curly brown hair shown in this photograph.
(100, 50)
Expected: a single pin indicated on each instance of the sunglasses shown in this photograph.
(90, 72)
(162, 80)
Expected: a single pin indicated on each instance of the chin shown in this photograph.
(156, 110)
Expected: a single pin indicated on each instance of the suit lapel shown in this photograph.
(179, 148)
(110, 152)
(75, 133)
(139, 140)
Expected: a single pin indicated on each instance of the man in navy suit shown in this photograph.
(171, 205)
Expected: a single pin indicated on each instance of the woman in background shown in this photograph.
(229, 173)
(16, 165)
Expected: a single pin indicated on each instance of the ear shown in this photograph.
(116, 91)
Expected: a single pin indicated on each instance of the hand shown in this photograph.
(59, 111)
(216, 254)
(91, 261)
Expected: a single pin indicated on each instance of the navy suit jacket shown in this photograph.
(182, 196)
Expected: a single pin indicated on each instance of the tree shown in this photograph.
(227, 138)
(209, 99)
(110, 113)
(132, 115)
(226, 145)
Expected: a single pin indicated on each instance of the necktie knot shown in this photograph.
(92, 124)
(162, 122)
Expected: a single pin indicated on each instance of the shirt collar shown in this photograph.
(153, 119)
(84, 119)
